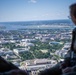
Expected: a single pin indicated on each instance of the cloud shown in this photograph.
(33, 1)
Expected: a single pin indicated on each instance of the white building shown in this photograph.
(64, 50)
(20, 50)
(5, 51)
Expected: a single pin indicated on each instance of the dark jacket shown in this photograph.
(6, 66)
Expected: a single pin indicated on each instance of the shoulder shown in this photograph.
(74, 30)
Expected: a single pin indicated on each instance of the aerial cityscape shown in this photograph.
(35, 34)
(35, 45)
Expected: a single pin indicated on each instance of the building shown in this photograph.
(20, 50)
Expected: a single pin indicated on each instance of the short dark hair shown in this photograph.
(73, 9)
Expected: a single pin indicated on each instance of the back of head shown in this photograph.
(73, 9)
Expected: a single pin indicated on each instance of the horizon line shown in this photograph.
(33, 20)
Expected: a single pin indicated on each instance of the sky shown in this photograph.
(30, 10)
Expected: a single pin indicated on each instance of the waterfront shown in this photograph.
(46, 24)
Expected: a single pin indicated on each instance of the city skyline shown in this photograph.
(29, 10)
